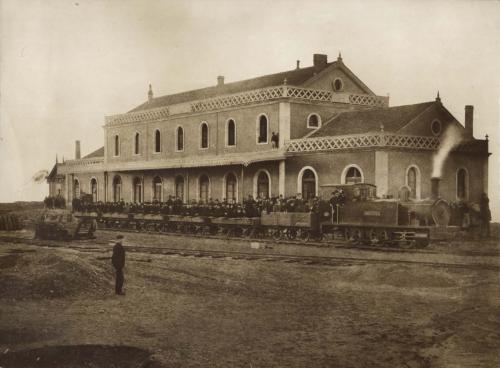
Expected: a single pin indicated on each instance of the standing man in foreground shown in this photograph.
(118, 261)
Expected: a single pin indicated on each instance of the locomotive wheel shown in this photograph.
(291, 233)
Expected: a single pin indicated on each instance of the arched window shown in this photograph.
(204, 135)
(204, 184)
(117, 189)
(263, 185)
(308, 184)
(231, 133)
(313, 121)
(136, 144)
(117, 145)
(157, 189)
(462, 184)
(76, 189)
(137, 190)
(157, 141)
(231, 187)
(179, 137)
(413, 182)
(351, 175)
(179, 188)
(93, 189)
(262, 129)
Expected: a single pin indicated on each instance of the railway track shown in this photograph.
(312, 260)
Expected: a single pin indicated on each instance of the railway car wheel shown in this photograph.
(305, 235)
(277, 234)
(291, 233)
(356, 236)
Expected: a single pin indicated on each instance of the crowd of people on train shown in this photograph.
(250, 207)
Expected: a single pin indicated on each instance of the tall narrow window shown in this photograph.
(231, 133)
(117, 188)
(462, 184)
(204, 188)
(412, 182)
(157, 141)
(353, 176)
(308, 185)
(117, 145)
(137, 190)
(157, 189)
(136, 143)
(93, 189)
(180, 139)
(263, 185)
(204, 135)
(76, 189)
(262, 130)
(231, 187)
(179, 188)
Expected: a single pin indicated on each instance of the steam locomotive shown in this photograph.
(361, 219)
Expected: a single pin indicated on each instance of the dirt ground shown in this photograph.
(219, 312)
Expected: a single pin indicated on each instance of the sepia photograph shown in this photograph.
(249, 183)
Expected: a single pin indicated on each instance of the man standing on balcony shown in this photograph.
(275, 140)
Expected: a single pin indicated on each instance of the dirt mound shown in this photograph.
(79, 356)
(31, 276)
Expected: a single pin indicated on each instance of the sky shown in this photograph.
(64, 65)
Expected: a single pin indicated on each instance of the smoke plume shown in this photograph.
(451, 137)
(39, 176)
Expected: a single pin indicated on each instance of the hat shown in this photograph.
(119, 237)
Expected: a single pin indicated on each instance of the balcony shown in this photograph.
(249, 97)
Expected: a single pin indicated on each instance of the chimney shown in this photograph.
(320, 61)
(435, 187)
(77, 150)
(469, 121)
(298, 64)
(150, 94)
(220, 80)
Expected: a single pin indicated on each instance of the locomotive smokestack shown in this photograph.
(435, 187)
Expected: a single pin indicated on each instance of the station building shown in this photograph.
(299, 131)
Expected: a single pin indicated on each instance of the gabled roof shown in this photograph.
(294, 77)
(364, 121)
(97, 153)
(53, 172)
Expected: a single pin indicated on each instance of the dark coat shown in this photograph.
(118, 257)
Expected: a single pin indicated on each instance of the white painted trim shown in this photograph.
(97, 187)
(418, 188)
(344, 172)
(154, 142)
(198, 192)
(176, 138)
(466, 183)
(256, 176)
(319, 120)
(301, 174)
(201, 135)
(257, 130)
(224, 185)
(226, 134)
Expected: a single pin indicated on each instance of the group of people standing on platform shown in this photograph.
(250, 207)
